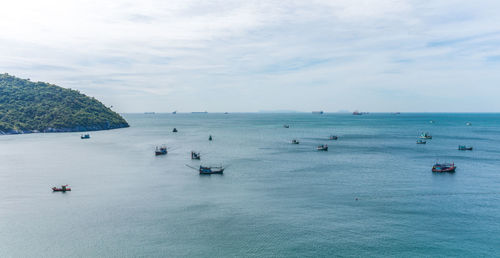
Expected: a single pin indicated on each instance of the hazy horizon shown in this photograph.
(248, 56)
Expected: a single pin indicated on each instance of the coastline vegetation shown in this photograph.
(27, 106)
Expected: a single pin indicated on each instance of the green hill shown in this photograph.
(27, 107)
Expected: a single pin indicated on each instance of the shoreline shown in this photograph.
(65, 130)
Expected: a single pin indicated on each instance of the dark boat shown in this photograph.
(318, 112)
(463, 147)
(210, 137)
(195, 155)
(294, 141)
(175, 130)
(444, 167)
(286, 126)
(211, 170)
(421, 142)
(333, 137)
(175, 112)
(161, 150)
(85, 136)
(322, 147)
(63, 188)
(425, 135)
(357, 113)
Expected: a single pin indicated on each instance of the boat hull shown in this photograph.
(212, 172)
(444, 170)
(54, 189)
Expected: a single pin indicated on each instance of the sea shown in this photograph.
(372, 194)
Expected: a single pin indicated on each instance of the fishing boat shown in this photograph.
(468, 123)
(211, 170)
(286, 126)
(161, 150)
(294, 141)
(357, 113)
(85, 136)
(63, 188)
(444, 167)
(175, 130)
(463, 147)
(175, 112)
(425, 135)
(195, 155)
(421, 142)
(210, 137)
(333, 137)
(323, 147)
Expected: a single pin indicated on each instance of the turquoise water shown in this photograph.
(275, 199)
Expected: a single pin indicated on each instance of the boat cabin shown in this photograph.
(323, 147)
(195, 155)
(160, 150)
(464, 147)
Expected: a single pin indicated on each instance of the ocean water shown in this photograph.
(372, 194)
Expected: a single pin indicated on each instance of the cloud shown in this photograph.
(330, 55)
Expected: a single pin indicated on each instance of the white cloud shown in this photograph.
(163, 55)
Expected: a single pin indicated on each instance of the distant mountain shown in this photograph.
(28, 107)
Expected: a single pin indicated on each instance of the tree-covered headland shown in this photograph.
(27, 107)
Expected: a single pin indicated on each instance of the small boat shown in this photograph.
(333, 137)
(357, 113)
(63, 188)
(210, 137)
(294, 141)
(175, 130)
(463, 147)
(421, 142)
(318, 112)
(468, 123)
(323, 147)
(161, 150)
(425, 135)
(175, 112)
(85, 136)
(444, 167)
(211, 170)
(286, 126)
(149, 113)
(195, 155)
(431, 122)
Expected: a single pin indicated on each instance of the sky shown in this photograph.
(249, 56)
